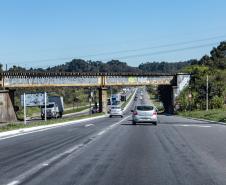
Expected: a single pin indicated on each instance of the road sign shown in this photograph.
(33, 99)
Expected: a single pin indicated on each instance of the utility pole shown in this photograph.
(90, 101)
(207, 93)
(45, 99)
(25, 116)
(111, 96)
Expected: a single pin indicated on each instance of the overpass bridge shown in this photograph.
(67, 79)
(13, 80)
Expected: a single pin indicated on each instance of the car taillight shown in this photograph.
(135, 113)
(154, 113)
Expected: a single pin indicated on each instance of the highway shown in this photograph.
(112, 151)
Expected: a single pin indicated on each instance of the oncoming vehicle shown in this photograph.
(116, 111)
(54, 109)
(144, 114)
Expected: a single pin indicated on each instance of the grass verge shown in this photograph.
(127, 101)
(156, 103)
(213, 114)
(14, 126)
(76, 110)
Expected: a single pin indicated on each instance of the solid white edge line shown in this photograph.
(192, 125)
(13, 182)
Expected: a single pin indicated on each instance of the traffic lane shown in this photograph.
(206, 137)
(172, 119)
(144, 154)
(20, 153)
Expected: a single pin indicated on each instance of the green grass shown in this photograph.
(13, 126)
(127, 101)
(76, 110)
(156, 103)
(30, 112)
(212, 114)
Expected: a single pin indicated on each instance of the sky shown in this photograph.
(43, 33)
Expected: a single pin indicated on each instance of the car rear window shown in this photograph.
(115, 108)
(145, 108)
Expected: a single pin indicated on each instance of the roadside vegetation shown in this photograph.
(127, 101)
(213, 114)
(76, 109)
(213, 66)
(75, 100)
(154, 97)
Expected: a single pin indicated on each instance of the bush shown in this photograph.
(217, 102)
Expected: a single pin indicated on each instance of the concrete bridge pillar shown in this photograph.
(103, 104)
(174, 96)
(7, 113)
(1, 82)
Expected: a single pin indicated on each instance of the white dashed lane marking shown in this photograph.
(200, 126)
(88, 125)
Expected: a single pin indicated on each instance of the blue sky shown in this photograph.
(42, 33)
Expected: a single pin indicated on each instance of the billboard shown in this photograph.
(34, 99)
(132, 79)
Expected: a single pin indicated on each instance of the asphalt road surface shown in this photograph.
(112, 151)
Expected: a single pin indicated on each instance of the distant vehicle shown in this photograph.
(116, 111)
(135, 98)
(115, 99)
(109, 101)
(123, 97)
(54, 109)
(144, 114)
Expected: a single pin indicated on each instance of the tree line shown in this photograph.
(79, 65)
(214, 66)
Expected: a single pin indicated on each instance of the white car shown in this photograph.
(116, 111)
(145, 114)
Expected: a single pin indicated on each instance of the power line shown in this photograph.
(155, 47)
(126, 51)
(163, 51)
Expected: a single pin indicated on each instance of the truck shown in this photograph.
(115, 99)
(54, 107)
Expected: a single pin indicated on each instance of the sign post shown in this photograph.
(25, 121)
(33, 100)
(45, 105)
